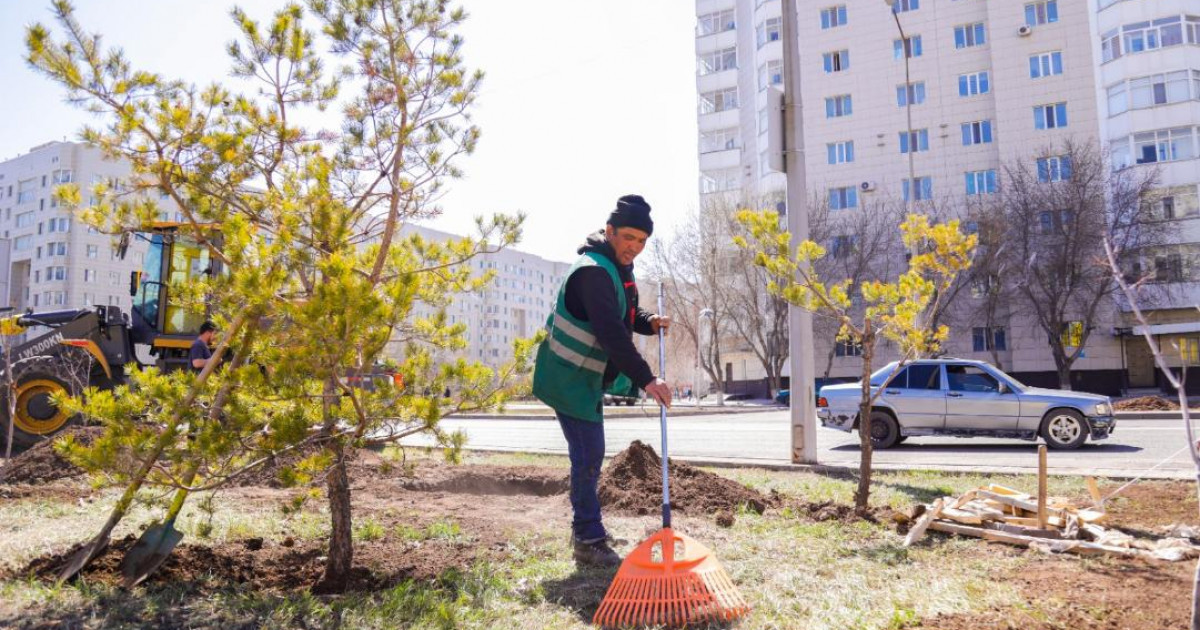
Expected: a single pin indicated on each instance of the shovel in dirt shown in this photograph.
(99, 542)
(157, 542)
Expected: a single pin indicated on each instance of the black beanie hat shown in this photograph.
(632, 211)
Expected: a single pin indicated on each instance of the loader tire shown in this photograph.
(37, 418)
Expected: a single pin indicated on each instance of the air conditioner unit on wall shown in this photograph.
(1025, 30)
(867, 186)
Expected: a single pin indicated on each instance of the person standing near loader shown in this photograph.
(588, 350)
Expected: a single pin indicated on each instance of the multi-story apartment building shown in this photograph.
(515, 305)
(990, 83)
(56, 261)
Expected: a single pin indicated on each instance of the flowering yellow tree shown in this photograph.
(895, 311)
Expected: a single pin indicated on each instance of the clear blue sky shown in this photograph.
(583, 102)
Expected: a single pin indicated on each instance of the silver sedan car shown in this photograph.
(962, 398)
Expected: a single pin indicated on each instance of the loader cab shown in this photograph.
(160, 319)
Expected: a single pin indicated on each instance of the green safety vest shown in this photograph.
(568, 373)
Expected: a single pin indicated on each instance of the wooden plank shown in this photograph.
(1094, 490)
(928, 517)
(1025, 504)
(1058, 546)
(1005, 490)
(963, 500)
(1041, 496)
(961, 516)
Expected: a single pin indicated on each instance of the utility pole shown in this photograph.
(803, 397)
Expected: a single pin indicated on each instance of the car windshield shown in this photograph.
(882, 373)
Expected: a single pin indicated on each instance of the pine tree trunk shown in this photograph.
(341, 549)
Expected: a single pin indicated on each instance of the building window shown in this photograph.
(1044, 12)
(1164, 145)
(717, 22)
(981, 182)
(978, 132)
(901, 6)
(840, 152)
(985, 340)
(1189, 350)
(973, 84)
(843, 246)
(1050, 116)
(719, 181)
(1072, 334)
(719, 101)
(718, 60)
(838, 106)
(61, 176)
(1174, 203)
(769, 31)
(969, 35)
(1046, 64)
(1118, 99)
(1054, 169)
(833, 16)
(22, 243)
(719, 140)
(1145, 36)
(770, 73)
(93, 251)
(912, 93)
(843, 198)
(1169, 268)
(924, 189)
(61, 224)
(838, 61)
(848, 348)
(24, 219)
(910, 47)
(916, 141)
(1160, 89)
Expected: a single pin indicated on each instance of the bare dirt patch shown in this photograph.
(275, 567)
(632, 484)
(1146, 403)
(42, 464)
(1098, 595)
(490, 480)
(1150, 506)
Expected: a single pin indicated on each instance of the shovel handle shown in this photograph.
(662, 416)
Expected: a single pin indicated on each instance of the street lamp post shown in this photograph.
(909, 94)
(704, 313)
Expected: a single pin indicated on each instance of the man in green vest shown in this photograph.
(589, 350)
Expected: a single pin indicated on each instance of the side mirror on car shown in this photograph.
(1003, 389)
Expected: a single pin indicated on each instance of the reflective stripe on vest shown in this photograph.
(575, 332)
(574, 358)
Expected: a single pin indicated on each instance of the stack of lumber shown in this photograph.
(1000, 514)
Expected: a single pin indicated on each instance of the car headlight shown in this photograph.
(1102, 409)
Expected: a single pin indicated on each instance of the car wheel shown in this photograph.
(1064, 429)
(884, 430)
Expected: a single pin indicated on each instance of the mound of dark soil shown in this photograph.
(1146, 403)
(42, 464)
(274, 567)
(632, 483)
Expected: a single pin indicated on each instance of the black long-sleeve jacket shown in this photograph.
(590, 297)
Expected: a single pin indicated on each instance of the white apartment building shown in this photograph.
(56, 261)
(990, 82)
(515, 305)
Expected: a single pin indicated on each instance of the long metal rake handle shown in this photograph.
(662, 415)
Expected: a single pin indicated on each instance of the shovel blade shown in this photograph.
(148, 553)
(81, 559)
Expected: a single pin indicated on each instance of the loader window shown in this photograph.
(149, 292)
(189, 261)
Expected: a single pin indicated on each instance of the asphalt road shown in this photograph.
(1154, 448)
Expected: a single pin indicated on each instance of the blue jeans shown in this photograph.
(585, 448)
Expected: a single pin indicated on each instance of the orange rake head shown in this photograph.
(686, 584)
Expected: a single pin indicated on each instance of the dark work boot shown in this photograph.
(596, 553)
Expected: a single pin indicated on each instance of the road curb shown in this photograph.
(852, 467)
(647, 413)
